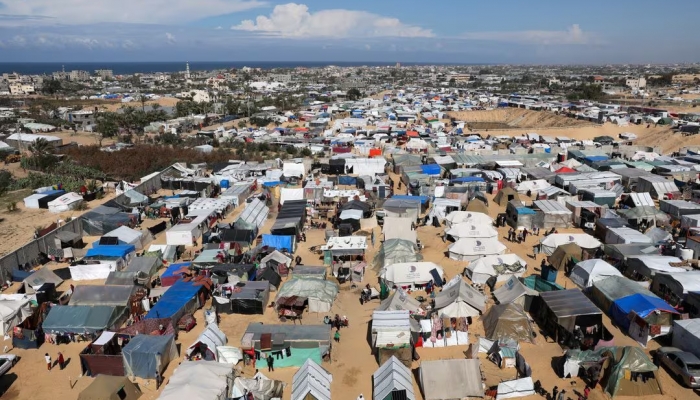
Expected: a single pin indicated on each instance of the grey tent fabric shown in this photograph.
(146, 354)
(451, 379)
(512, 291)
(658, 235)
(320, 334)
(82, 319)
(147, 265)
(457, 290)
(102, 295)
(122, 278)
(38, 278)
(393, 376)
(606, 291)
(566, 305)
(321, 293)
(505, 322)
(399, 300)
(395, 251)
(633, 359)
(311, 380)
(254, 215)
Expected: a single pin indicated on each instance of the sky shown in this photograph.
(438, 31)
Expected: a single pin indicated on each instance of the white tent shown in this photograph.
(293, 169)
(291, 194)
(32, 201)
(229, 354)
(517, 388)
(399, 228)
(513, 291)
(399, 300)
(503, 266)
(365, 166)
(467, 249)
(410, 274)
(471, 230)
(472, 217)
(88, 272)
(320, 293)
(67, 202)
(212, 337)
(625, 235)
(585, 273)
(199, 380)
(311, 380)
(393, 377)
(451, 379)
(534, 186)
(440, 207)
(14, 308)
(584, 240)
(127, 235)
(458, 291)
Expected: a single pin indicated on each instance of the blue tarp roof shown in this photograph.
(270, 184)
(174, 300)
(641, 304)
(278, 242)
(596, 158)
(431, 169)
(466, 179)
(422, 199)
(525, 210)
(173, 268)
(120, 250)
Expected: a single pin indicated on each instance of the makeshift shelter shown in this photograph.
(311, 382)
(253, 216)
(642, 316)
(391, 336)
(207, 343)
(585, 273)
(275, 260)
(505, 195)
(307, 271)
(441, 207)
(399, 300)
(66, 202)
(476, 205)
(675, 287)
(150, 327)
(562, 311)
(303, 341)
(606, 291)
(585, 241)
(643, 268)
(451, 379)
(180, 299)
(14, 308)
(103, 219)
(145, 355)
(565, 255)
(625, 235)
(507, 322)
(503, 267)
(103, 356)
(555, 214)
(106, 387)
(194, 380)
(396, 251)
(631, 362)
(83, 319)
(399, 228)
(243, 298)
(411, 275)
(470, 249)
(468, 230)
(514, 291)
(474, 218)
(320, 293)
(262, 387)
(393, 381)
(457, 294)
(88, 271)
(102, 295)
(37, 279)
(686, 335)
(522, 387)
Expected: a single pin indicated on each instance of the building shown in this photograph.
(283, 78)
(104, 73)
(636, 83)
(79, 76)
(18, 88)
(83, 119)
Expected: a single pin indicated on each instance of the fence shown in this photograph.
(31, 252)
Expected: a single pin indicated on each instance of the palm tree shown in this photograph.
(40, 147)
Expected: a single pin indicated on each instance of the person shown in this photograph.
(562, 395)
(270, 363)
(336, 337)
(510, 234)
(524, 234)
(47, 357)
(159, 380)
(544, 263)
(529, 193)
(586, 392)
(60, 360)
(360, 397)
(555, 390)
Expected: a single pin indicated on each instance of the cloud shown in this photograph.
(293, 20)
(573, 35)
(170, 38)
(72, 12)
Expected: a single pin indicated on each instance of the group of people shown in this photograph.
(60, 361)
(521, 236)
(560, 394)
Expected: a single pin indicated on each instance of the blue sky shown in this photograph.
(457, 31)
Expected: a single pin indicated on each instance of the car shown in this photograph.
(685, 366)
(7, 361)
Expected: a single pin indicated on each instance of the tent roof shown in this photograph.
(393, 376)
(561, 256)
(104, 295)
(105, 387)
(323, 290)
(511, 290)
(451, 379)
(212, 336)
(586, 272)
(79, 319)
(505, 322)
(569, 303)
(617, 287)
(44, 275)
(643, 305)
(458, 290)
(399, 300)
(311, 379)
(477, 205)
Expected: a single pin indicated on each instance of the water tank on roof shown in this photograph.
(225, 183)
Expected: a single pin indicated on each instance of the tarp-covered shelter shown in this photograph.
(606, 291)
(566, 309)
(686, 335)
(565, 255)
(304, 341)
(391, 335)
(501, 266)
(400, 300)
(632, 360)
(44, 275)
(106, 387)
(651, 309)
(645, 267)
(14, 308)
(82, 319)
(103, 219)
(145, 355)
(674, 287)
(505, 195)
(399, 228)
(522, 387)
(126, 235)
(514, 291)
(393, 381)
(253, 216)
(411, 274)
(207, 343)
(102, 295)
(395, 251)
(469, 249)
(451, 379)
(320, 293)
(507, 322)
(458, 291)
(585, 273)
(199, 380)
(311, 382)
(245, 298)
(180, 299)
(477, 206)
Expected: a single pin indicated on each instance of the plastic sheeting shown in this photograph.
(287, 194)
(120, 251)
(180, 299)
(399, 228)
(585, 273)
(145, 355)
(81, 319)
(393, 376)
(212, 337)
(278, 242)
(94, 295)
(457, 290)
(14, 308)
(321, 294)
(505, 322)
(451, 379)
(395, 251)
(522, 387)
(311, 380)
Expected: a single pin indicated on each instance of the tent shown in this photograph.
(395, 251)
(471, 230)
(279, 242)
(514, 291)
(506, 322)
(564, 307)
(87, 272)
(469, 249)
(457, 291)
(442, 207)
(522, 387)
(686, 335)
(505, 195)
(246, 298)
(106, 387)
(145, 355)
(564, 255)
(127, 235)
(14, 308)
(475, 218)
(632, 360)
(34, 281)
(118, 251)
(311, 382)
(393, 381)
(82, 319)
(451, 379)
(651, 309)
(180, 299)
(584, 240)
(399, 300)
(476, 205)
(199, 380)
(585, 273)
(606, 291)
(102, 295)
(207, 343)
(399, 228)
(262, 387)
(320, 293)
(304, 342)
(67, 202)
(411, 274)
(501, 266)
(275, 259)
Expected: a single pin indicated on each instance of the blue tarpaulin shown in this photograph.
(120, 250)
(174, 268)
(179, 299)
(271, 183)
(431, 169)
(347, 180)
(467, 179)
(641, 304)
(596, 158)
(278, 242)
(422, 199)
(525, 211)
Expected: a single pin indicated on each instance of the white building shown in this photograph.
(636, 83)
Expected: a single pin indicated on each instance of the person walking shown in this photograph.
(61, 361)
(47, 357)
(159, 379)
(336, 337)
(562, 395)
(524, 234)
(270, 363)
(555, 391)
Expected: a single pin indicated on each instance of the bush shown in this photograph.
(11, 207)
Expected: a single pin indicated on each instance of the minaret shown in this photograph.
(187, 70)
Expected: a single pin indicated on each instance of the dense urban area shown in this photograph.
(397, 232)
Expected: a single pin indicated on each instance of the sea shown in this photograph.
(128, 68)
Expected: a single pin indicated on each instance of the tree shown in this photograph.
(52, 86)
(453, 82)
(354, 94)
(40, 147)
(305, 152)
(5, 182)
